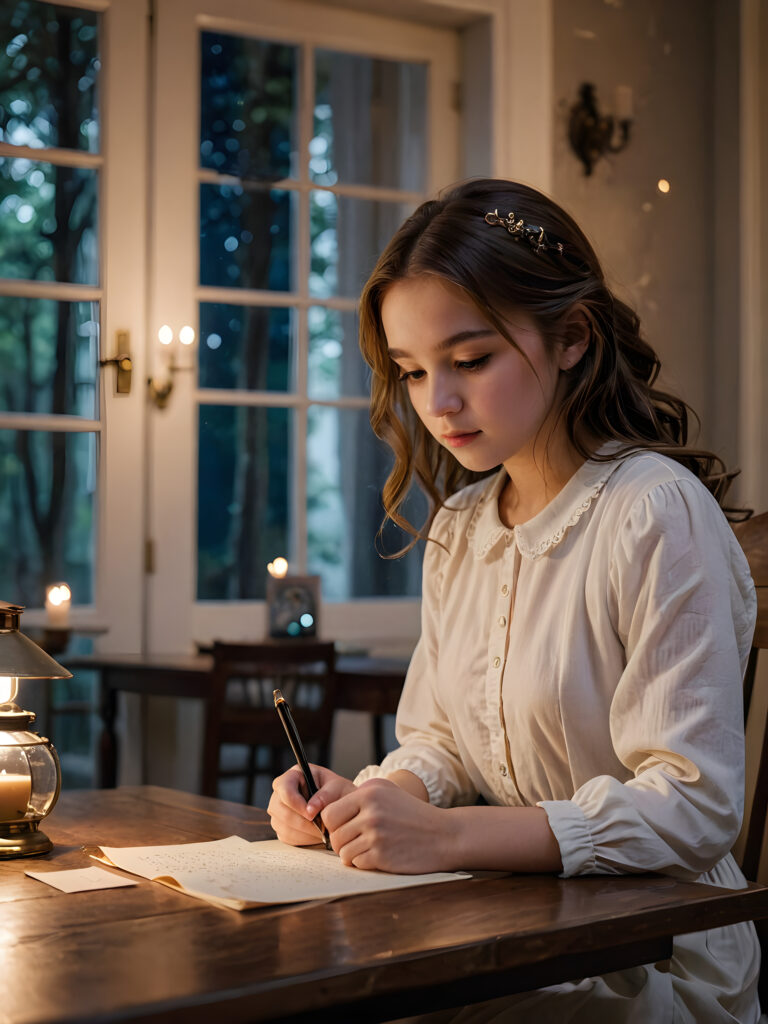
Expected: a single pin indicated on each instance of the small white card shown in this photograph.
(80, 879)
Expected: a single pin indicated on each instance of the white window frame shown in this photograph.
(121, 162)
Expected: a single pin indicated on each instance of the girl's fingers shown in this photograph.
(355, 853)
(290, 815)
(287, 810)
(341, 810)
(289, 789)
(329, 793)
(342, 838)
(293, 828)
(296, 837)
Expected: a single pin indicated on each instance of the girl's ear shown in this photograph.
(575, 338)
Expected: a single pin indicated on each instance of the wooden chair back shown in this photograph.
(752, 534)
(240, 709)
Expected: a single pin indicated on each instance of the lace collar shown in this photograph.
(548, 528)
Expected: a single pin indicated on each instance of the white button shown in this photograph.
(505, 590)
(502, 620)
(502, 769)
(496, 662)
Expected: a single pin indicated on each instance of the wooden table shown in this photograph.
(150, 954)
(362, 684)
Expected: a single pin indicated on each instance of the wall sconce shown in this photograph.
(593, 134)
(58, 602)
(30, 776)
(160, 387)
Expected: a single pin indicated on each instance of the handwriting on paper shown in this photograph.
(235, 873)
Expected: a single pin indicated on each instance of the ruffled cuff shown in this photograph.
(381, 771)
(372, 771)
(571, 829)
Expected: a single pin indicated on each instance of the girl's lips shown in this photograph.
(459, 440)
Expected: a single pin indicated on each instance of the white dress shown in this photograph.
(590, 662)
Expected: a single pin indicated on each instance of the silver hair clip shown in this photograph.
(532, 234)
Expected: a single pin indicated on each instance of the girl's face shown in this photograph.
(473, 391)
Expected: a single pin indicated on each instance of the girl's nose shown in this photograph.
(443, 398)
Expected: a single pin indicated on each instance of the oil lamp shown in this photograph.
(30, 777)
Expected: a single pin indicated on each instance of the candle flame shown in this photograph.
(59, 594)
(278, 568)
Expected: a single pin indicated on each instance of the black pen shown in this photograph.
(281, 706)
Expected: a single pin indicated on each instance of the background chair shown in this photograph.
(240, 712)
(753, 537)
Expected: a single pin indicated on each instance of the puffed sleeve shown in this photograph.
(684, 606)
(427, 745)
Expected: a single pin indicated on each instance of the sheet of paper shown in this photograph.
(80, 879)
(233, 870)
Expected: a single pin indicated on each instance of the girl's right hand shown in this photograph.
(288, 805)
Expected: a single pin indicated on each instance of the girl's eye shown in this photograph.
(473, 364)
(462, 364)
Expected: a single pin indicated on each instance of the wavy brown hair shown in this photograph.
(612, 394)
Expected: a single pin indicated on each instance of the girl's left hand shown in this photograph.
(380, 827)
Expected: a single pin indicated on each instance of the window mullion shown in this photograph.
(52, 423)
(52, 155)
(254, 297)
(59, 290)
(277, 399)
(303, 260)
(209, 176)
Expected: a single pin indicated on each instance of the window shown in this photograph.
(313, 140)
(50, 297)
(294, 225)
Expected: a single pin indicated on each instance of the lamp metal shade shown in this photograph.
(21, 657)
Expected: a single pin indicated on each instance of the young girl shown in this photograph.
(574, 703)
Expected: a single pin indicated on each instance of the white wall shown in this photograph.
(672, 256)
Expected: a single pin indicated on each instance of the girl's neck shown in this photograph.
(535, 478)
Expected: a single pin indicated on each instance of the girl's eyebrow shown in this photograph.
(446, 343)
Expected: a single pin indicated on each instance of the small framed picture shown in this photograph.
(293, 606)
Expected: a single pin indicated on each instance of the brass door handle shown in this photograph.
(124, 365)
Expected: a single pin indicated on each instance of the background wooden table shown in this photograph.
(363, 683)
(150, 954)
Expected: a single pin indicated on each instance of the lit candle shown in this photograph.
(9, 687)
(165, 335)
(278, 568)
(623, 103)
(15, 791)
(187, 335)
(58, 600)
